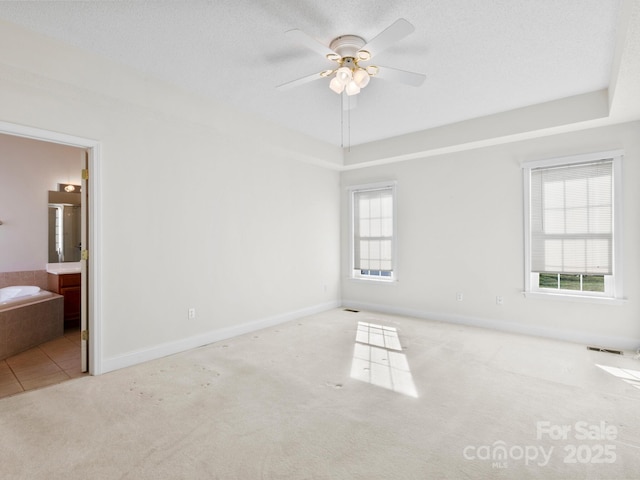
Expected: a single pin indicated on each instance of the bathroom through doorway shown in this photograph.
(88, 290)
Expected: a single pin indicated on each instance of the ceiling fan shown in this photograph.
(350, 52)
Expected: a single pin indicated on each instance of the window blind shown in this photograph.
(373, 229)
(572, 219)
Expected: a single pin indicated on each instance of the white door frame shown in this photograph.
(95, 220)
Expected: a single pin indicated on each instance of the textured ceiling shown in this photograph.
(480, 56)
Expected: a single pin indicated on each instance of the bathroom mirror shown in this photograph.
(64, 227)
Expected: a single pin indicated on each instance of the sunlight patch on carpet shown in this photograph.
(378, 359)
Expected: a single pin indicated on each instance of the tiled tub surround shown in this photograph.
(30, 322)
(28, 277)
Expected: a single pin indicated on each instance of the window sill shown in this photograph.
(377, 281)
(563, 297)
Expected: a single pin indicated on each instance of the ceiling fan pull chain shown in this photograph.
(341, 121)
(349, 124)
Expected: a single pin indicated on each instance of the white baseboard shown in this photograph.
(170, 348)
(573, 336)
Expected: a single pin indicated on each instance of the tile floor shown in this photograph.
(49, 363)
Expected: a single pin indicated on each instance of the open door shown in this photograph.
(84, 267)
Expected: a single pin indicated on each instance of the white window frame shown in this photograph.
(353, 273)
(613, 283)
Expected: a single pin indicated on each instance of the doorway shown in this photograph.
(90, 324)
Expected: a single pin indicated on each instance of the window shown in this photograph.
(372, 226)
(572, 229)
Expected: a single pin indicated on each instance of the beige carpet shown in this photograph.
(304, 400)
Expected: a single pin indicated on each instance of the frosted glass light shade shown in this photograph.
(344, 74)
(361, 77)
(336, 85)
(352, 88)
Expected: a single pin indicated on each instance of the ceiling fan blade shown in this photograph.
(402, 76)
(310, 42)
(299, 81)
(395, 32)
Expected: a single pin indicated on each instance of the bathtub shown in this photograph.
(11, 297)
(29, 316)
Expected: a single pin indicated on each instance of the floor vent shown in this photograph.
(606, 350)
(351, 310)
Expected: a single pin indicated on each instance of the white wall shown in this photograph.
(460, 229)
(28, 170)
(201, 206)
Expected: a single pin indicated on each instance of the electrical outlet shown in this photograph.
(459, 296)
(499, 300)
(192, 313)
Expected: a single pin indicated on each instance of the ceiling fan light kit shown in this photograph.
(349, 77)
